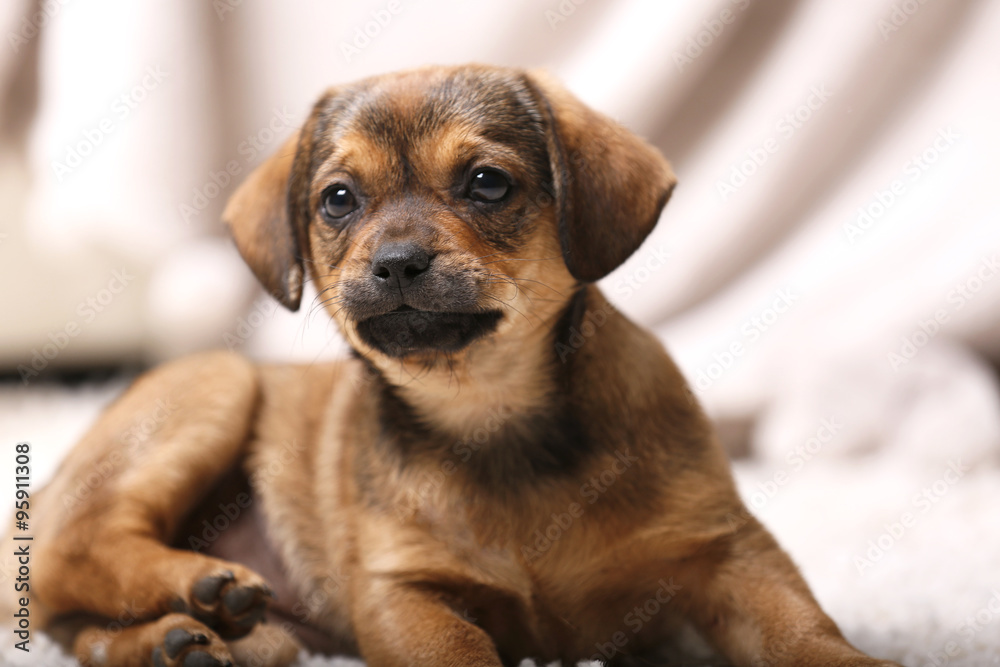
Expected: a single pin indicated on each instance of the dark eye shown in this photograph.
(338, 202)
(488, 185)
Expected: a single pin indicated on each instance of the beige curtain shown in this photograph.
(835, 202)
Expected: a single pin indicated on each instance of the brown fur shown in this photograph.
(535, 493)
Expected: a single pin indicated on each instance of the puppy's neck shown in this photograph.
(507, 378)
(510, 377)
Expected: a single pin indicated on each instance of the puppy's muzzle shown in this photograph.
(407, 305)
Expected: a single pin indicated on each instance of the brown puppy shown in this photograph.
(508, 468)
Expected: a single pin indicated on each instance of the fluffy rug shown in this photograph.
(914, 593)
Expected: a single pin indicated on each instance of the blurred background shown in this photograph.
(827, 273)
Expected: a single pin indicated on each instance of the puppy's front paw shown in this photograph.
(230, 601)
(188, 643)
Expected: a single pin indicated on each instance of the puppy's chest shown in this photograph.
(528, 556)
(544, 599)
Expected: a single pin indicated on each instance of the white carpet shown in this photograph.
(935, 586)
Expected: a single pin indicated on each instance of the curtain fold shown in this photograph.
(835, 218)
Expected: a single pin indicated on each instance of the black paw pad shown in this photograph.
(178, 639)
(202, 659)
(229, 605)
(252, 618)
(206, 590)
(239, 599)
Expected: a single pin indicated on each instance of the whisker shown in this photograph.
(507, 280)
(492, 254)
(539, 282)
(501, 301)
(523, 259)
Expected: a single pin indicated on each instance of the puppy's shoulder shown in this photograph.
(231, 373)
(308, 384)
(206, 374)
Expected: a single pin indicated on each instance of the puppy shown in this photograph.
(506, 468)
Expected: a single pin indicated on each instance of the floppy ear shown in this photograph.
(609, 184)
(258, 217)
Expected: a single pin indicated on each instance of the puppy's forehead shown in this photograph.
(395, 112)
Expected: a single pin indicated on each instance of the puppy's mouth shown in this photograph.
(406, 330)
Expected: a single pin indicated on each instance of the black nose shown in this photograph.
(397, 264)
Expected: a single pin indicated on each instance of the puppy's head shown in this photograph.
(439, 208)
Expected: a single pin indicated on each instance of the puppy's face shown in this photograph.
(439, 208)
(426, 186)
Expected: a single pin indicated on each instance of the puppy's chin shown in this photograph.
(407, 332)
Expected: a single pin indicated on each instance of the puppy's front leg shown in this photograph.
(403, 625)
(748, 597)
